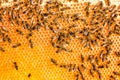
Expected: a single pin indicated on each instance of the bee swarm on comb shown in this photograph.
(92, 29)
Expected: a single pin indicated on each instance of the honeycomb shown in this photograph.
(59, 43)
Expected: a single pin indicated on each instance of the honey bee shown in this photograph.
(4, 29)
(16, 66)
(16, 45)
(98, 6)
(112, 77)
(107, 2)
(87, 9)
(77, 77)
(8, 39)
(91, 72)
(2, 49)
(116, 73)
(53, 61)
(29, 75)
(80, 73)
(31, 43)
(82, 58)
(29, 35)
(99, 74)
(19, 32)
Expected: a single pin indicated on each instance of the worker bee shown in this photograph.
(15, 65)
(91, 72)
(87, 9)
(29, 75)
(117, 54)
(80, 73)
(31, 43)
(2, 49)
(19, 31)
(99, 75)
(16, 45)
(29, 35)
(116, 73)
(77, 77)
(53, 61)
(82, 58)
(112, 77)
(107, 2)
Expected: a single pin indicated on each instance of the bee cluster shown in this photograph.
(89, 31)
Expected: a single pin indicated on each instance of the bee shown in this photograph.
(112, 77)
(117, 54)
(77, 77)
(13, 15)
(73, 26)
(4, 29)
(94, 67)
(96, 60)
(17, 22)
(11, 21)
(108, 49)
(15, 65)
(83, 66)
(87, 9)
(99, 74)
(101, 66)
(112, 7)
(70, 67)
(8, 39)
(90, 58)
(74, 0)
(63, 66)
(59, 50)
(31, 43)
(52, 29)
(55, 20)
(117, 29)
(102, 56)
(90, 47)
(76, 17)
(74, 67)
(118, 64)
(98, 6)
(2, 49)
(19, 32)
(4, 38)
(65, 8)
(82, 58)
(40, 1)
(107, 2)
(1, 18)
(53, 61)
(91, 72)
(116, 73)
(29, 35)
(84, 21)
(81, 73)
(67, 50)
(29, 75)
(14, 0)
(107, 64)
(68, 18)
(37, 26)
(16, 45)
(6, 1)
